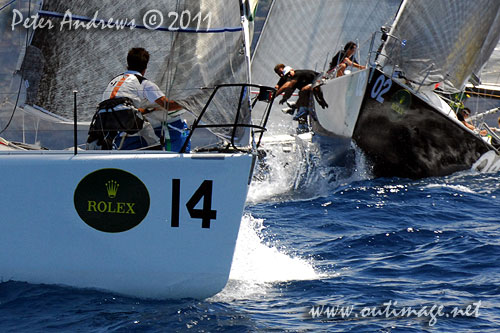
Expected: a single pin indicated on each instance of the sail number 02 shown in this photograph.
(206, 214)
(380, 87)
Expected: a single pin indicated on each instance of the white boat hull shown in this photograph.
(44, 238)
(344, 96)
(488, 163)
(334, 126)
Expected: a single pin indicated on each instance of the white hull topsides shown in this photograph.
(137, 223)
(144, 223)
(344, 96)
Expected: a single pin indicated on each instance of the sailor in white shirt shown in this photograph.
(133, 85)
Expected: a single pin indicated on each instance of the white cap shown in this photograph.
(286, 70)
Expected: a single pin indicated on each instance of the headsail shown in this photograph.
(443, 41)
(194, 45)
(307, 34)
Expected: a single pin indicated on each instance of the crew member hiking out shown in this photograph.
(302, 80)
(345, 58)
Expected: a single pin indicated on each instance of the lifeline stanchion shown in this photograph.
(75, 133)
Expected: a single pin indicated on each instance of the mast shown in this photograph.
(244, 8)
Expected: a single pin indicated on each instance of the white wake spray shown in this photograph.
(296, 170)
(257, 266)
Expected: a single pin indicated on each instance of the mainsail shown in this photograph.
(13, 46)
(199, 44)
(307, 34)
(443, 41)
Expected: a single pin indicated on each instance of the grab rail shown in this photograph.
(266, 94)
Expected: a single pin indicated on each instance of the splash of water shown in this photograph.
(257, 266)
(256, 261)
(290, 163)
(295, 170)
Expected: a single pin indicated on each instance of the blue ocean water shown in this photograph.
(314, 239)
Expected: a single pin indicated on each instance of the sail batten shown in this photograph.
(126, 24)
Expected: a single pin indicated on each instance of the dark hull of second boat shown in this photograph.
(403, 136)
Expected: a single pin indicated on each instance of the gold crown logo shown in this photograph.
(112, 188)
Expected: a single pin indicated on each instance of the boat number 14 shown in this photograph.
(381, 86)
(206, 214)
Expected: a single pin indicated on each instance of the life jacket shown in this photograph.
(114, 115)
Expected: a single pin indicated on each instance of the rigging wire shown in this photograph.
(356, 38)
(343, 24)
(169, 81)
(22, 70)
(389, 21)
(171, 71)
(369, 16)
(271, 6)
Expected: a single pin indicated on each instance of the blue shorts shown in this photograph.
(178, 133)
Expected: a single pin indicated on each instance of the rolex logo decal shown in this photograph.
(112, 188)
(111, 200)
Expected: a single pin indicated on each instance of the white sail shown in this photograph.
(443, 41)
(490, 75)
(307, 34)
(198, 45)
(431, 44)
(13, 45)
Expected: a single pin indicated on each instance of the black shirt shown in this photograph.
(304, 77)
(283, 80)
(339, 57)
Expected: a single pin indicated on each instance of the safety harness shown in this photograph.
(115, 115)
